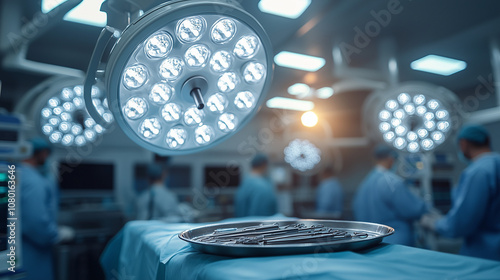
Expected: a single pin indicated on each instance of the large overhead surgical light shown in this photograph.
(57, 109)
(412, 117)
(186, 75)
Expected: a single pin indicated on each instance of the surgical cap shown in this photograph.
(474, 133)
(382, 151)
(259, 160)
(155, 171)
(40, 144)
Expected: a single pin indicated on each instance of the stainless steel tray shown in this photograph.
(373, 235)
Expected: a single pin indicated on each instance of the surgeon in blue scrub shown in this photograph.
(255, 195)
(158, 202)
(38, 215)
(384, 198)
(329, 196)
(475, 212)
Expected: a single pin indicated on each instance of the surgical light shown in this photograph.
(438, 65)
(309, 119)
(57, 109)
(299, 61)
(302, 155)
(412, 117)
(186, 75)
(285, 8)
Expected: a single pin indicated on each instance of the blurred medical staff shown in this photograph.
(384, 198)
(158, 202)
(38, 214)
(329, 196)
(475, 212)
(255, 195)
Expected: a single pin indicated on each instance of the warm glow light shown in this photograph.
(309, 119)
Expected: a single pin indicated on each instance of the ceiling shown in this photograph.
(459, 29)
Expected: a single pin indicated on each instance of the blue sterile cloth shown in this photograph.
(152, 250)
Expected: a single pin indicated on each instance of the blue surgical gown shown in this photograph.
(255, 197)
(475, 214)
(158, 203)
(384, 198)
(38, 221)
(329, 197)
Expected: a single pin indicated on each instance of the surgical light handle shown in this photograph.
(90, 79)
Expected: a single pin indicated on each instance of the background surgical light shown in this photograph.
(438, 65)
(289, 104)
(55, 108)
(413, 117)
(299, 61)
(302, 155)
(186, 75)
(309, 119)
(284, 8)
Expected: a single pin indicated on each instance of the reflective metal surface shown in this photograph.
(214, 239)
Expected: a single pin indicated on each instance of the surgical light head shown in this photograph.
(58, 111)
(412, 117)
(187, 75)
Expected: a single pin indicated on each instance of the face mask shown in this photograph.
(463, 158)
(394, 167)
(43, 169)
